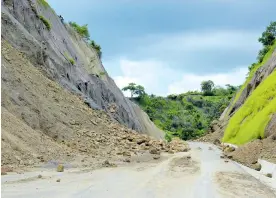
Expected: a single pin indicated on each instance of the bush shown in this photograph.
(45, 21)
(44, 3)
(168, 137)
(262, 53)
(81, 30)
(70, 59)
(96, 47)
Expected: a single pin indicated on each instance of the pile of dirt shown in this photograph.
(43, 123)
(249, 153)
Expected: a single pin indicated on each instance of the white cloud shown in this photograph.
(148, 73)
(192, 81)
(158, 78)
(179, 62)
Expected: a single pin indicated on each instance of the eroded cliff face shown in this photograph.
(52, 50)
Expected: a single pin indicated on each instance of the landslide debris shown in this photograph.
(43, 123)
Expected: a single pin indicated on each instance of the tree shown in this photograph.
(207, 87)
(269, 35)
(139, 90)
(135, 89)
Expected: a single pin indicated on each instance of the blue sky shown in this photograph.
(171, 46)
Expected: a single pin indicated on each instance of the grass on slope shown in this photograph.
(250, 120)
(44, 3)
(251, 74)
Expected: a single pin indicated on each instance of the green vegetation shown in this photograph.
(267, 39)
(84, 33)
(250, 120)
(186, 115)
(44, 3)
(269, 44)
(81, 30)
(69, 58)
(94, 45)
(45, 21)
(206, 87)
(135, 90)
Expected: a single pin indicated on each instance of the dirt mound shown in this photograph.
(249, 153)
(43, 123)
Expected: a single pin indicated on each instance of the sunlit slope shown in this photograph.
(252, 72)
(250, 121)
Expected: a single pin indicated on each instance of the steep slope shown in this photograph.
(44, 123)
(250, 119)
(254, 106)
(62, 55)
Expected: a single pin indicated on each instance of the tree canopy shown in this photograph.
(134, 89)
(186, 115)
(207, 87)
(269, 35)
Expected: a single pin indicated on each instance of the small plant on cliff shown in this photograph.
(70, 59)
(97, 47)
(82, 30)
(44, 3)
(45, 21)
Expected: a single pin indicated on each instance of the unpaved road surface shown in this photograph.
(205, 174)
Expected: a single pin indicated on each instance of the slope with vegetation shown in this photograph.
(250, 119)
(254, 104)
(186, 115)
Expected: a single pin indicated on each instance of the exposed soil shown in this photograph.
(44, 125)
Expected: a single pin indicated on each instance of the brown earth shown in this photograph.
(42, 122)
(247, 154)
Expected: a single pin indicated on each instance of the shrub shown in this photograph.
(168, 137)
(45, 21)
(70, 59)
(262, 53)
(44, 3)
(81, 30)
(96, 47)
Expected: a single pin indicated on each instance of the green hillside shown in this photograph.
(186, 115)
(250, 120)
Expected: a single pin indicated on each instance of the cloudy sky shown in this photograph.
(170, 46)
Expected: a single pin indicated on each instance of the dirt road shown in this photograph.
(205, 174)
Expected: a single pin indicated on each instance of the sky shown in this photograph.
(171, 46)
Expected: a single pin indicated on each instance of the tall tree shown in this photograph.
(135, 89)
(269, 35)
(207, 87)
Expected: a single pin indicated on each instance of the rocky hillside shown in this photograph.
(54, 47)
(58, 102)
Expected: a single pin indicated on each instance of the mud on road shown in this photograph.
(198, 173)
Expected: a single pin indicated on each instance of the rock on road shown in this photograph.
(203, 174)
